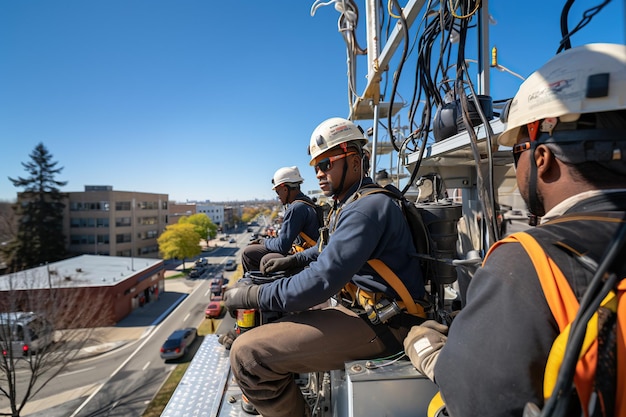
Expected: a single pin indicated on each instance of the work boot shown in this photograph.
(247, 406)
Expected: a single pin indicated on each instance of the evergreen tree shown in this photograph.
(39, 208)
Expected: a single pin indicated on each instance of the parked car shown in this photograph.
(214, 309)
(202, 262)
(232, 240)
(177, 344)
(230, 265)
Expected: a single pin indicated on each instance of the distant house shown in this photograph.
(115, 285)
(178, 210)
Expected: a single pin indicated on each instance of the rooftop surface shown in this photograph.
(80, 271)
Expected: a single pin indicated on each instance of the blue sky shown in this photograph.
(205, 99)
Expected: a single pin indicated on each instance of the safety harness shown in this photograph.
(597, 346)
(307, 241)
(564, 306)
(375, 303)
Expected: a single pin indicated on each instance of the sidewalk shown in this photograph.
(105, 339)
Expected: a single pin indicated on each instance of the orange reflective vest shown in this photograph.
(564, 306)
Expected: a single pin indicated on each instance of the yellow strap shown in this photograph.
(307, 239)
(436, 406)
(557, 352)
(392, 279)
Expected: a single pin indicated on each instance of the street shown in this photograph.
(123, 381)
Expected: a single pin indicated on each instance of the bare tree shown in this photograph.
(8, 229)
(47, 326)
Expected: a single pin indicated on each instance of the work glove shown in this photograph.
(227, 338)
(423, 344)
(245, 295)
(280, 264)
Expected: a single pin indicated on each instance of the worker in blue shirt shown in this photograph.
(265, 359)
(300, 227)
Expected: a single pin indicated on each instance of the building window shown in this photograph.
(148, 205)
(102, 222)
(148, 220)
(122, 205)
(123, 238)
(122, 221)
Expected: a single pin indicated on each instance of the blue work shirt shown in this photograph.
(299, 217)
(371, 227)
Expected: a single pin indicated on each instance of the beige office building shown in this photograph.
(101, 221)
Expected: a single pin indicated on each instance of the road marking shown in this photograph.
(207, 292)
(145, 366)
(77, 372)
(130, 357)
(187, 316)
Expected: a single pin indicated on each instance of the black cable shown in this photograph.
(587, 16)
(398, 72)
(565, 43)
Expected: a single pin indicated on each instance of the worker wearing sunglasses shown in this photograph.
(264, 359)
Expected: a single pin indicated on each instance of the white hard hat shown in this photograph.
(286, 175)
(584, 79)
(334, 132)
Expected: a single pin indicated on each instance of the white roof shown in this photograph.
(80, 271)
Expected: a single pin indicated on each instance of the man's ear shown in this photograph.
(545, 160)
(355, 162)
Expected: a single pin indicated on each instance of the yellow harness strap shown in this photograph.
(392, 279)
(620, 393)
(436, 406)
(310, 242)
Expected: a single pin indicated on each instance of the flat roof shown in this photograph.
(80, 271)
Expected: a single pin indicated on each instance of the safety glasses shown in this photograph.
(518, 149)
(327, 163)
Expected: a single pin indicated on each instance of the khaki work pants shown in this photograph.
(265, 359)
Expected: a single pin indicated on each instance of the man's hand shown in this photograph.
(279, 264)
(423, 344)
(243, 296)
(227, 338)
(259, 241)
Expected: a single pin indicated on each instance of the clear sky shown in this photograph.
(205, 99)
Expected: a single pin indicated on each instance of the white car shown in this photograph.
(230, 265)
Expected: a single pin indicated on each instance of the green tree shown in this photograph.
(39, 210)
(202, 225)
(179, 241)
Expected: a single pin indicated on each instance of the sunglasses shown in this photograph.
(327, 163)
(518, 149)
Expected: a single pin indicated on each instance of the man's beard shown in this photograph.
(525, 193)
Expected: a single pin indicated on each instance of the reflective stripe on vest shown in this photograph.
(564, 306)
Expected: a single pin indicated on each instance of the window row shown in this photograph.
(89, 239)
(89, 206)
(89, 222)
